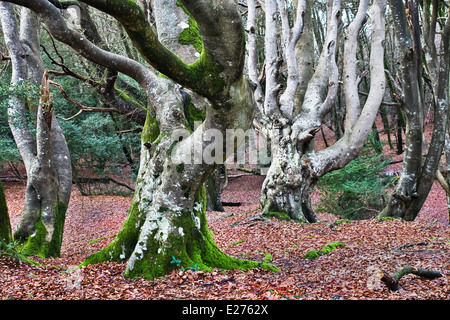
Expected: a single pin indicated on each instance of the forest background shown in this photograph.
(102, 122)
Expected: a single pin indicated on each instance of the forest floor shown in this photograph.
(349, 272)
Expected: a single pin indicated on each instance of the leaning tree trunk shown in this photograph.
(46, 156)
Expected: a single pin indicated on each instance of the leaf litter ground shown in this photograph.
(347, 273)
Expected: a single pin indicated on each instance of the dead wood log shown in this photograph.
(391, 281)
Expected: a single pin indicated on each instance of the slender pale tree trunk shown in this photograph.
(46, 156)
(418, 176)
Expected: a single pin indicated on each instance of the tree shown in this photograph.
(167, 215)
(5, 225)
(45, 155)
(293, 113)
(418, 175)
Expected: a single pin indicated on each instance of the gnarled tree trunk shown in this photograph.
(167, 217)
(296, 165)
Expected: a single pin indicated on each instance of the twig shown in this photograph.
(218, 282)
(411, 244)
(443, 182)
(78, 104)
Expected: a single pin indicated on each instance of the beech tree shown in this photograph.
(167, 215)
(5, 224)
(292, 114)
(45, 153)
(418, 175)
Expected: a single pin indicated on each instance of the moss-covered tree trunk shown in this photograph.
(45, 154)
(5, 224)
(167, 219)
(166, 227)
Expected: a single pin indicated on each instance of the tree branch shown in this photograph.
(78, 104)
(392, 281)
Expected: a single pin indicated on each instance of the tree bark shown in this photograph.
(392, 281)
(296, 165)
(167, 216)
(5, 224)
(46, 158)
(418, 176)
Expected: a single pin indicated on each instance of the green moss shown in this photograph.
(37, 243)
(180, 168)
(127, 98)
(194, 114)
(312, 254)
(150, 131)
(205, 73)
(5, 224)
(170, 149)
(194, 248)
(268, 257)
(191, 35)
(279, 215)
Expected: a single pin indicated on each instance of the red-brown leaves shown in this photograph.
(345, 273)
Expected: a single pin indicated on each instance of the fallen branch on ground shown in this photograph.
(411, 245)
(391, 281)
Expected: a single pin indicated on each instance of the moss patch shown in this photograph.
(312, 254)
(150, 131)
(278, 215)
(191, 35)
(37, 243)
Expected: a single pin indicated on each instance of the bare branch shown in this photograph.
(78, 104)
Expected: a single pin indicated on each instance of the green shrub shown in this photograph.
(357, 191)
(23, 90)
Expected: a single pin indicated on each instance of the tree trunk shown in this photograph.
(5, 225)
(167, 218)
(392, 281)
(213, 188)
(289, 180)
(296, 165)
(418, 176)
(46, 157)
